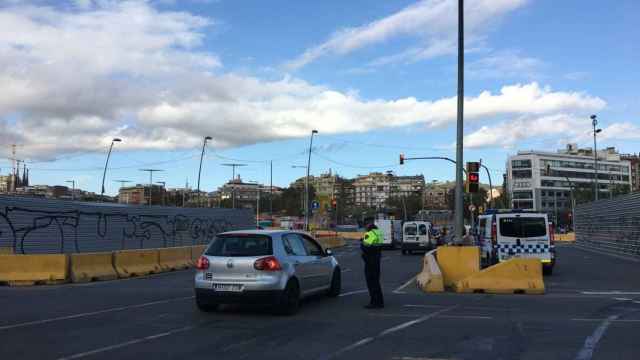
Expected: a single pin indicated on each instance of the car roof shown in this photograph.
(263, 232)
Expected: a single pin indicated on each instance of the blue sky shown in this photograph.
(377, 78)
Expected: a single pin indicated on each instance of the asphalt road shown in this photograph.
(591, 311)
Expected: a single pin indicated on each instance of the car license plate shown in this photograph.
(227, 287)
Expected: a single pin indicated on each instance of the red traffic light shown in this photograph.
(401, 159)
(474, 177)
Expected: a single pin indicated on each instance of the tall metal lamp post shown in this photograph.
(306, 184)
(106, 164)
(594, 122)
(204, 145)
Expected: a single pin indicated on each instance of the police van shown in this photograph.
(416, 236)
(504, 234)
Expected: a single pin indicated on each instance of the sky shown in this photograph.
(375, 78)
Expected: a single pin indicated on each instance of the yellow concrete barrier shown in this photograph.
(457, 263)
(17, 270)
(174, 258)
(136, 262)
(92, 267)
(518, 275)
(196, 252)
(6, 250)
(565, 237)
(430, 279)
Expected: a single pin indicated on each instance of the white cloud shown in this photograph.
(504, 64)
(72, 80)
(556, 128)
(433, 21)
(577, 75)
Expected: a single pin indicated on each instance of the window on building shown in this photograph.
(521, 163)
(522, 174)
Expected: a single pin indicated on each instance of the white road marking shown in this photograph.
(92, 313)
(616, 321)
(610, 292)
(622, 299)
(423, 306)
(127, 343)
(346, 270)
(470, 317)
(636, 302)
(399, 290)
(586, 353)
(354, 292)
(388, 331)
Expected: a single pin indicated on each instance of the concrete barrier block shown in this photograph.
(458, 263)
(518, 275)
(136, 262)
(430, 279)
(197, 251)
(21, 270)
(174, 258)
(92, 267)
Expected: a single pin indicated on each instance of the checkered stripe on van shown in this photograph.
(523, 249)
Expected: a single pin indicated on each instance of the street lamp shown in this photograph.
(104, 174)
(306, 184)
(73, 188)
(594, 122)
(204, 144)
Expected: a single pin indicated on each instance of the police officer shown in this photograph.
(371, 245)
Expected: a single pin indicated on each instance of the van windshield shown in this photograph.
(240, 245)
(523, 227)
(411, 230)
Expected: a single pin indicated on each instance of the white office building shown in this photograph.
(542, 180)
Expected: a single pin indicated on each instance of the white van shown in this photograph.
(503, 234)
(416, 237)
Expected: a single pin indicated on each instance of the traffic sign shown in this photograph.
(315, 205)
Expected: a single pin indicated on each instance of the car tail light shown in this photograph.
(202, 263)
(269, 263)
(494, 233)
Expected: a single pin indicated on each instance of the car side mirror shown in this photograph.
(328, 252)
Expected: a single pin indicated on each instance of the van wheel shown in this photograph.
(547, 270)
(289, 299)
(336, 283)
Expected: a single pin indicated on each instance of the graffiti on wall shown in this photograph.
(27, 229)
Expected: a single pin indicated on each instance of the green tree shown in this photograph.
(398, 204)
(478, 199)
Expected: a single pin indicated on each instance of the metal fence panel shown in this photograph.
(610, 225)
(33, 225)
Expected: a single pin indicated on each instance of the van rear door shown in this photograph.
(523, 235)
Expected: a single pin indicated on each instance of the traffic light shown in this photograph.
(473, 176)
(334, 203)
(401, 159)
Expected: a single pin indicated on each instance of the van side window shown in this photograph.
(423, 229)
(482, 227)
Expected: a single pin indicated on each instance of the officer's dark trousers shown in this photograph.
(371, 259)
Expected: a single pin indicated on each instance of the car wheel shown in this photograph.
(204, 305)
(547, 270)
(289, 299)
(336, 283)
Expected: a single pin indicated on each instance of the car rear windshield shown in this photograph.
(523, 227)
(411, 230)
(240, 245)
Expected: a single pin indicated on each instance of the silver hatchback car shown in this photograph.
(274, 267)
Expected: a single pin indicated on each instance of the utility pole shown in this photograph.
(150, 171)
(306, 184)
(459, 205)
(204, 145)
(594, 122)
(233, 179)
(271, 190)
(73, 188)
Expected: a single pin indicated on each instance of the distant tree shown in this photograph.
(478, 199)
(397, 205)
